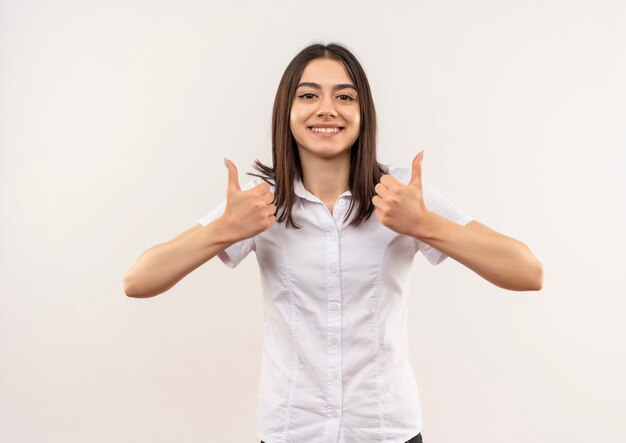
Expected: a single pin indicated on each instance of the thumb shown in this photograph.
(416, 171)
(233, 178)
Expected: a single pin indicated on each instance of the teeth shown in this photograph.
(325, 129)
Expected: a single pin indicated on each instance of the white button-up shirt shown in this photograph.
(335, 362)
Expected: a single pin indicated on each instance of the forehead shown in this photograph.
(325, 71)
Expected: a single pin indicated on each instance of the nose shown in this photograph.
(326, 107)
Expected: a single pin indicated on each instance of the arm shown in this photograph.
(162, 266)
(501, 260)
(246, 214)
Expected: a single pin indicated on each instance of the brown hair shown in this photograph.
(365, 171)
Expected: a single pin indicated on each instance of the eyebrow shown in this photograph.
(317, 86)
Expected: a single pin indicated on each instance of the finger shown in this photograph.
(379, 214)
(416, 171)
(263, 187)
(233, 178)
(378, 202)
(390, 181)
(381, 190)
(268, 198)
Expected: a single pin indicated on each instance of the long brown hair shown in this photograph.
(365, 171)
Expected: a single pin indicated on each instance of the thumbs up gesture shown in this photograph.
(249, 212)
(401, 207)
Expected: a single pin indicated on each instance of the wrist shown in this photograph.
(425, 229)
(224, 232)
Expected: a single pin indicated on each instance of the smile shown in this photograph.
(325, 131)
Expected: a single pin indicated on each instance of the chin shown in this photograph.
(329, 152)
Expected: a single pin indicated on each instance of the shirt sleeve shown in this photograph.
(236, 252)
(440, 205)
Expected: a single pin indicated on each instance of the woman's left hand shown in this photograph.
(401, 207)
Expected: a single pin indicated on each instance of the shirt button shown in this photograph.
(333, 341)
(336, 375)
(333, 306)
(333, 270)
(372, 311)
(335, 413)
(342, 202)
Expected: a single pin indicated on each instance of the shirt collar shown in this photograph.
(301, 191)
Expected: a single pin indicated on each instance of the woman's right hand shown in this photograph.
(248, 212)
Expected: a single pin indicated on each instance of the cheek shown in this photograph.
(357, 121)
(296, 116)
(293, 121)
(296, 122)
(356, 125)
(354, 117)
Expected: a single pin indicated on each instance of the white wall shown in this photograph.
(115, 117)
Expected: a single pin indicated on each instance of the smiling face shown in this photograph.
(325, 115)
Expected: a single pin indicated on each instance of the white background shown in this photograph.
(115, 117)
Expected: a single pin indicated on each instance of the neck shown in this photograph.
(326, 178)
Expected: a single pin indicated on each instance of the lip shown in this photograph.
(326, 125)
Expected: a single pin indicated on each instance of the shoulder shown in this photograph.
(403, 175)
(253, 180)
(400, 173)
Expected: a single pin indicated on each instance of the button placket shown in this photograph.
(339, 212)
(334, 385)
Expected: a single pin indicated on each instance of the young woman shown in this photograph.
(335, 280)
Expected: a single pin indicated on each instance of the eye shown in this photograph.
(306, 94)
(348, 98)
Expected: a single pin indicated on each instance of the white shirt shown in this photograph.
(335, 362)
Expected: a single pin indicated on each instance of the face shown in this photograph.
(325, 115)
